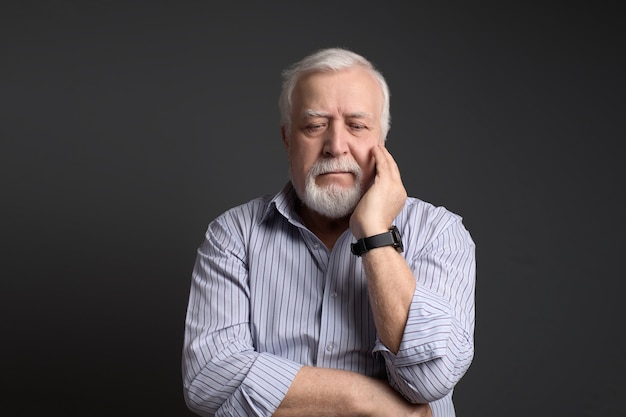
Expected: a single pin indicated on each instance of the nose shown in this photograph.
(335, 141)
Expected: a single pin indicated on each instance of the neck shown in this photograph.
(326, 229)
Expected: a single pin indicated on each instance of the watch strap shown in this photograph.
(389, 238)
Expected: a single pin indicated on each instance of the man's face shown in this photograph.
(335, 117)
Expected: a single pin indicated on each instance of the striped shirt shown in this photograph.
(268, 297)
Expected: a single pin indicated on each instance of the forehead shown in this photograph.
(353, 90)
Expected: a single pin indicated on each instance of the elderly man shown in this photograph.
(340, 295)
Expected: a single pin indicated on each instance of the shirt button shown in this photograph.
(333, 294)
(330, 347)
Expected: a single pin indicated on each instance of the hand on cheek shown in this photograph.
(383, 200)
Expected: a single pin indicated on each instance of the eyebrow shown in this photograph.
(315, 113)
(318, 113)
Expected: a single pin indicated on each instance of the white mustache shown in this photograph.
(324, 166)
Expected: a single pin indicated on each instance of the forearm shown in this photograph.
(437, 347)
(332, 392)
(391, 285)
(429, 365)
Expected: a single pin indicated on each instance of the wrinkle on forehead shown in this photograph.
(348, 93)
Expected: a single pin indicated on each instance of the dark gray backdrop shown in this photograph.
(127, 126)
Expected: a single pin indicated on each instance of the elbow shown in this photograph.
(432, 380)
(421, 393)
(424, 393)
(201, 399)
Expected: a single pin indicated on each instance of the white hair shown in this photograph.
(326, 60)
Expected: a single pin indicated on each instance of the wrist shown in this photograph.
(373, 231)
(369, 229)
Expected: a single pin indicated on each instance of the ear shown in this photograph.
(283, 134)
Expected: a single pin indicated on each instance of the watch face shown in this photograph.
(397, 239)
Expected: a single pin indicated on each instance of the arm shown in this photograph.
(222, 372)
(331, 392)
(224, 375)
(437, 346)
(390, 281)
(423, 308)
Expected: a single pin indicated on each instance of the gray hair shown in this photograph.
(326, 60)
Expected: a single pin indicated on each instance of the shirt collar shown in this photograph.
(285, 203)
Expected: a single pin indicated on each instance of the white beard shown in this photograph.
(332, 201)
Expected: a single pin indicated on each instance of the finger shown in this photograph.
(389, 161)
(381, 158)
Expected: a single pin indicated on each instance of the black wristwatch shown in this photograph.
(389, 238)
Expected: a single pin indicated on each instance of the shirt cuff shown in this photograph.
(426, 333)
(267, 383)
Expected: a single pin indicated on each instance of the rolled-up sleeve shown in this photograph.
(438, 343)
(223, 374)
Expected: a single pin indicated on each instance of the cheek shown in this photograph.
(303, 157)
(365, 160)
(298, 168)
(368, 167)
(368, 176)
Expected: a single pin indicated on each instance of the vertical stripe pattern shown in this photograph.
(268, 297)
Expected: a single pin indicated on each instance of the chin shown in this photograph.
(334, 202)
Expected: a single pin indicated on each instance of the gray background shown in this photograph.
(127, 126)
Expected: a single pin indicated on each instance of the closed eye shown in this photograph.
(355, 126)
(313, 128)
